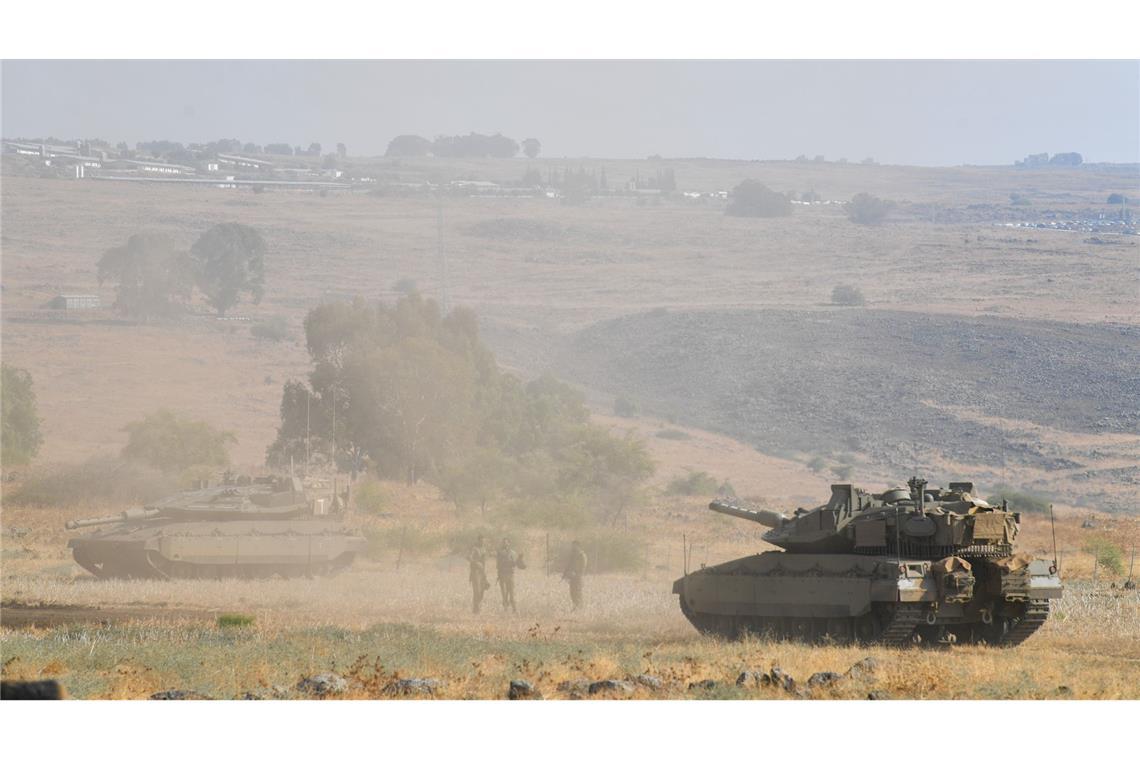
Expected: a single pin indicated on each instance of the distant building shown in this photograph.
(160, 168)
(73, 302)
(244, 162)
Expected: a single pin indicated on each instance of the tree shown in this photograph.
(314, 149)
(229, 259)
(751, 198)
(408, 146)
(151, 276)
(341, 150)
(21, 438)
(531, 147)
(172, 444)
(865, 208)
(279, 149)
(410, 393)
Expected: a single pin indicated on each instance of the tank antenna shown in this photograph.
(1053, 528)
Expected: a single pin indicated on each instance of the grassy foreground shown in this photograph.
(1088, 650)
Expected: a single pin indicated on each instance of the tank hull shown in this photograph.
(870, 599)
(229, 549)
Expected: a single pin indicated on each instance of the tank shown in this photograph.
(241, 529)
(909, 565)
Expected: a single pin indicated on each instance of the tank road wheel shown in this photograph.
(1014, 624)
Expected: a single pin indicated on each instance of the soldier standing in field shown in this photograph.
(575, 570)
(506, 560)
(477, 573)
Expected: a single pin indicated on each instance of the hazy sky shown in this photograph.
(930, 113)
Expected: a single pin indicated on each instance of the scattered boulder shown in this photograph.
(410, 687)
(1064, 690)
(322, 685)
(707, 683)
(574, 689)
(878, 694)
(864, 669)
(750, 679)
(653, 683)
(777, 676)
(824, 678)
(178, 694)
(611, 685)
(523, 690)
(32, 690)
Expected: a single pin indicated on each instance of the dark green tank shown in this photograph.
(906, 565)
(243, 529)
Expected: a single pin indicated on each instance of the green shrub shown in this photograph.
(370, 497)
(21, 425)
(816, 464)
(847, 295)
(235, 620)
(171, 443)
(698, 483)
(274, 329)
(843, 472)
(865, 208)
(97, 481)
(1107, 553)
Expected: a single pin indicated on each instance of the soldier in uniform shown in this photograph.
(477, 573)
(575, 570)
(506, 560)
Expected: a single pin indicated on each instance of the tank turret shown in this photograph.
(892, 566)
(266, 527)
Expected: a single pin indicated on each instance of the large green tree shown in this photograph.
(21, 425)
(410, 393)
(151, 276)
(229, 259)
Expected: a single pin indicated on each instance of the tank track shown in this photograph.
(900, 630)
(1021, 628)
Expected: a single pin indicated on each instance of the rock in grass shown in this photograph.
(411, 687)
(707, 683)
(322, 685)
(611, 686)
(750, 679)
(779, 677)
(824, 678)
(864, 669)
(523, 690)
(573, 689)
(653, 683)
(878, 694)
(178, 694)
(32, 690)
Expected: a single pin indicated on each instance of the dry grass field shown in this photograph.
(538, 272)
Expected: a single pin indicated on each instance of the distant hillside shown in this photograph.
(875, 383)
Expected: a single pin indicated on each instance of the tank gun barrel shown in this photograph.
(129, 515)
(763, 516)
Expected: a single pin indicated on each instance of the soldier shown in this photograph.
(506, 560)
(477, 573)
(575, 569)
